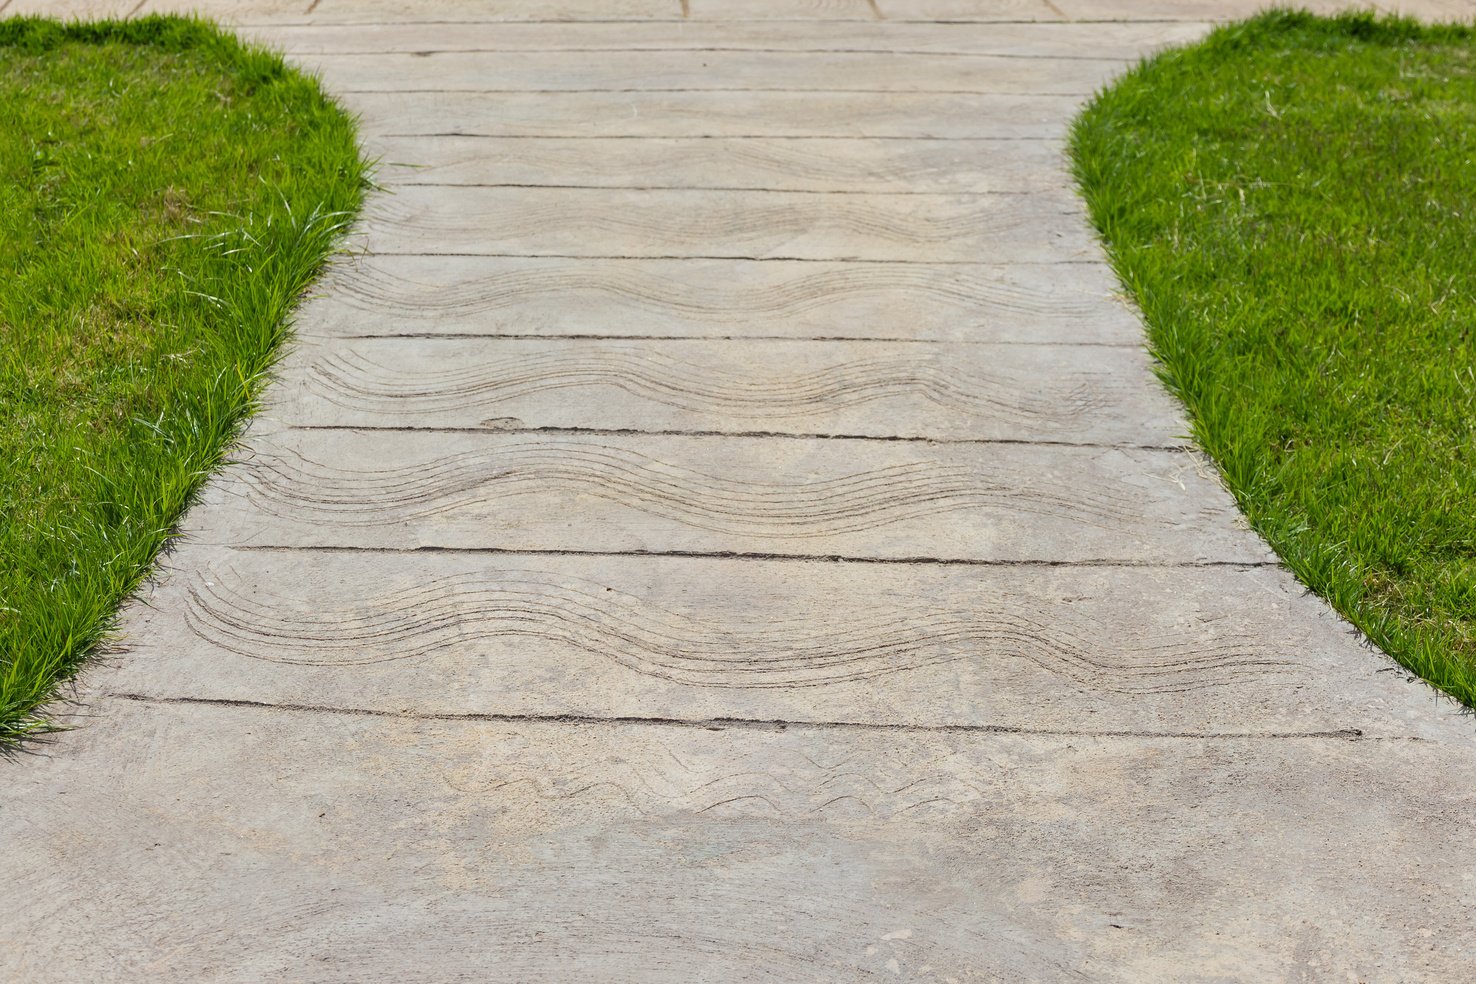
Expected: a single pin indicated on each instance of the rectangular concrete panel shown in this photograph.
(909, 115)
(600, 222)
(1126, 41)
(690, 298)
(1201, 650)
(353, 848)
(453, 11)
(950, 11)
(738, 164)
(1057, 393)
(717, 71)
(799, 497)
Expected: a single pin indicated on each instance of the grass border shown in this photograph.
(282, 251)
(1320, 568)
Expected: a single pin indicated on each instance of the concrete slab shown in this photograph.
(351, 847)
(916, 115)
(724, 163)
(601, 222)
(823, 10)
(661, 493)
(1046, 393)
(1016, 40)
(454, 11)
(623, 298)
(1178, 649)
(716, 71)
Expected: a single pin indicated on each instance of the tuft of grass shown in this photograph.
(167, 193)
(1292, 204)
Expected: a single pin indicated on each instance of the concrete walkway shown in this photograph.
(726, 529)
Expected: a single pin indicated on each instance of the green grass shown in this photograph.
(166, 194)
(1292, 204)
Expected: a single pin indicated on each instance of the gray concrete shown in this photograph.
(729, 163)
(1062, 393)
(722, 526)
(1042, 227)
(504, 296)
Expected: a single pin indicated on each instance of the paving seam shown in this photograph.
(1072, 93)
(394, 183)
(788, 436)
(879, 339)
(426, 52)
(735, 256)
(765, 724)
(764, 556)
(676, 20)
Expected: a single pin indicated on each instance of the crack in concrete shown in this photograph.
(757, 724)
(793, 436)
(761, 555)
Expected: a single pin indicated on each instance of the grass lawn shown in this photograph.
(166, 194)
(1292, 203)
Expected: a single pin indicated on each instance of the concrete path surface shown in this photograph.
(725, 528)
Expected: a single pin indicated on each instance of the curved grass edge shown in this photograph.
(259, 272)
(1321, 568)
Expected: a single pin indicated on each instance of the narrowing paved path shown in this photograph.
(723, 527)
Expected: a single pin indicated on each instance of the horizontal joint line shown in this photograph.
(760, 556)
(754, 724)
(782, 435)
(744, 259)
(725, 338)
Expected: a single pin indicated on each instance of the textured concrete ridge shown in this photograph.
(722, 526)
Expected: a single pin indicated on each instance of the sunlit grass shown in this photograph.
(166, 194)
(1292, 203)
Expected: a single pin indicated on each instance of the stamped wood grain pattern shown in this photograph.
(670, 646)
(598, 222)
(1067, 393)
(712, 114)
(695, 638)
(864, 499)
(797, 72)
(460, 295)
(1017, 40)
(453, 11)
(228, 11)
(799, 10)
(751, 164)
(68, 8)
(970, 11)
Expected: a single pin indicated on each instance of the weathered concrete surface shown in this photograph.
(1167, 650)
(713, 494)
(1066, 394)
(1025, 303)
(716, 71)
(831, 115)
(346, 848)
(727, 163)
(726, 529)
(1044, 227)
